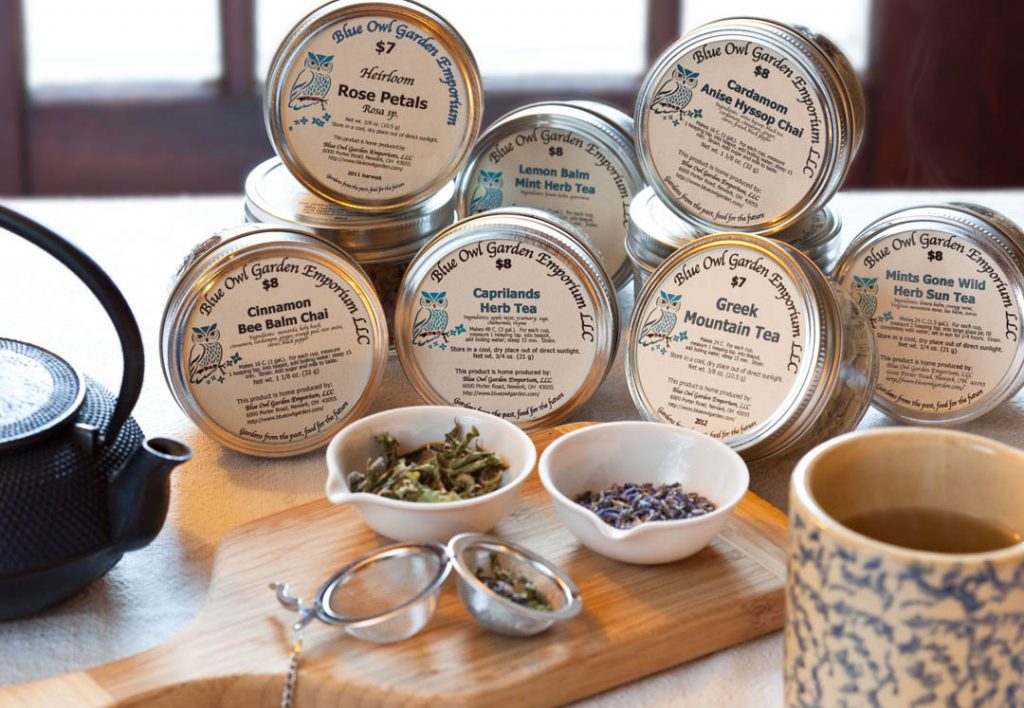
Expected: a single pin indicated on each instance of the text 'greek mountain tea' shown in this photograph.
(743, 338)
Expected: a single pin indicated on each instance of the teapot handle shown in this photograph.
(89, 272)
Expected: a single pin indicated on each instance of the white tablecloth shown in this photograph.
(154, 592)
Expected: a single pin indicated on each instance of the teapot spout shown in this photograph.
(140, 491)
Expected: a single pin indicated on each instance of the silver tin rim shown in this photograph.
(655, 231)
(820, 375)
(609, 114)
(205, 264)
(809, 233)
(338, 11)
(825, 75)
(992, 233)
(380, 238)
(529, 225)
(598, 122)
(820, 242)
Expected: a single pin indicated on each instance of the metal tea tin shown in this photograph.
(511, 312)
(574, 159)
(747, 124)
(373, 105)
(383, 244)
(817, 236)
(944, 290)
(272, 340)
(655, 232)
(745, 339)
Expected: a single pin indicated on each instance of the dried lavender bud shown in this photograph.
(626, 505)
(512, 586)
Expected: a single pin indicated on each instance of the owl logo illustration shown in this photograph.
(431, 320)
(863, 291)
(487, 194)
(662, 320)
(313, 82)
(675, 94)
(206, 354)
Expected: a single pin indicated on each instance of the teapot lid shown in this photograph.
(41, 391)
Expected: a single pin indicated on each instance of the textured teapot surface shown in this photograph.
(53, 491)
(78, 483)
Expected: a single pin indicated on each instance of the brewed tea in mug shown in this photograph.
(906, 571)
(935, 530)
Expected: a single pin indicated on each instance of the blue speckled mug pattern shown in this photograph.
(876, 625)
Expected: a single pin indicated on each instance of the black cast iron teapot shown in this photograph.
(79, 485)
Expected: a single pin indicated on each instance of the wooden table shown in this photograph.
(153, 593)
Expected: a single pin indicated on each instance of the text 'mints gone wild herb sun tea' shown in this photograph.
(511, 312)
(272, 340)
(944, 290)
(743, 338)
(747, 124)
(374, 105)
(574, 159)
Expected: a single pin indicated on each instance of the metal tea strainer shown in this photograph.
(383, 597)
(391, 593)
(473, 552)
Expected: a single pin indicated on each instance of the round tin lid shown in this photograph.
(609, 114)
(944, 290)
(655, 231)
(272, 340)
(730, 337)
(818, 229)
(274, 196)
(509, 312)
(574, 159)
(373, 105)
(746, 124)
(42, 392)
(817, 236)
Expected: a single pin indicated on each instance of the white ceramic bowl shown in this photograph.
(422, 522)
(600, 456)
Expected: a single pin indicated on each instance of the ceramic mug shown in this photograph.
(870, 623)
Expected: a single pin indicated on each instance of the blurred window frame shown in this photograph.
(201, 137)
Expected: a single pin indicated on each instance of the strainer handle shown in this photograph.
(89, 272)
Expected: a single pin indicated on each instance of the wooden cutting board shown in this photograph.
(636, 620)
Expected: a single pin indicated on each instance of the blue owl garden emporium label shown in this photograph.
(945, 316)
(278, 351)
(505, 327)
(722, 344)
(563, 172)
(736, 133)
(375, 108)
